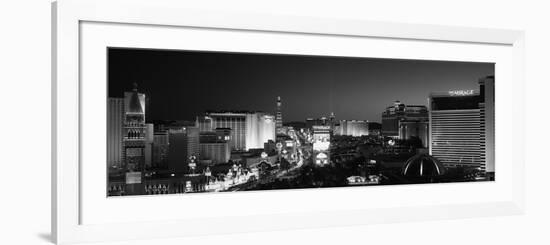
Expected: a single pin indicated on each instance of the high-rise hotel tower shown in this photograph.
(115, 132)
(279, 116)
(462, 130)
(248, 130)
(134, 140)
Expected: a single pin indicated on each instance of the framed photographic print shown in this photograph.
(177, 122)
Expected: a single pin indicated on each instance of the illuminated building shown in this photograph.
(214, 148)
(217, 152)
(401, 112)
(279, 116)
(321, 137)
(134, 140)
(321, 144)
(352, 128)
(234, 120)
(462, 127)
(249, 130)
(205, 124)
(115, 132)
(260, 129)
(160, 148)
(223, 134)
(183, 143)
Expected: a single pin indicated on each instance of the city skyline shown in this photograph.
(266, 121)
(181, 85)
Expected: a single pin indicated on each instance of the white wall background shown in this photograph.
(25, 122)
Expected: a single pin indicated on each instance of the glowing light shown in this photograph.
(322, 156)
(321, 146)
(461, 92)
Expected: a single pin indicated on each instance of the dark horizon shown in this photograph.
(179, 85)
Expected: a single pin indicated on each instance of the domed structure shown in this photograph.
(423, 165)
(321, 159)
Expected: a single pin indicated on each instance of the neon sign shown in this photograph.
(321, 145)
(461, 92)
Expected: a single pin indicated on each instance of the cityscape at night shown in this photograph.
(183, 122)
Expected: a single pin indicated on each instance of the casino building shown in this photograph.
(321, 144)
(354, 128)
(214, 147)
(462, 127)
(399, 112)
(249, 130)
(279, 116)
(406, 121)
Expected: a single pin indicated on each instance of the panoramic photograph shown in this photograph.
(182, 121)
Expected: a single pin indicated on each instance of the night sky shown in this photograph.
(183, 84)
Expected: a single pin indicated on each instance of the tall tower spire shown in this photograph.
(279, 117)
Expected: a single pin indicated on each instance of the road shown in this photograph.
(304, 154)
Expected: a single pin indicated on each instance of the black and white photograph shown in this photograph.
(187, 121)
(275, 122)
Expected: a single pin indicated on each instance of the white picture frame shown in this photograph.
(68, 196)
